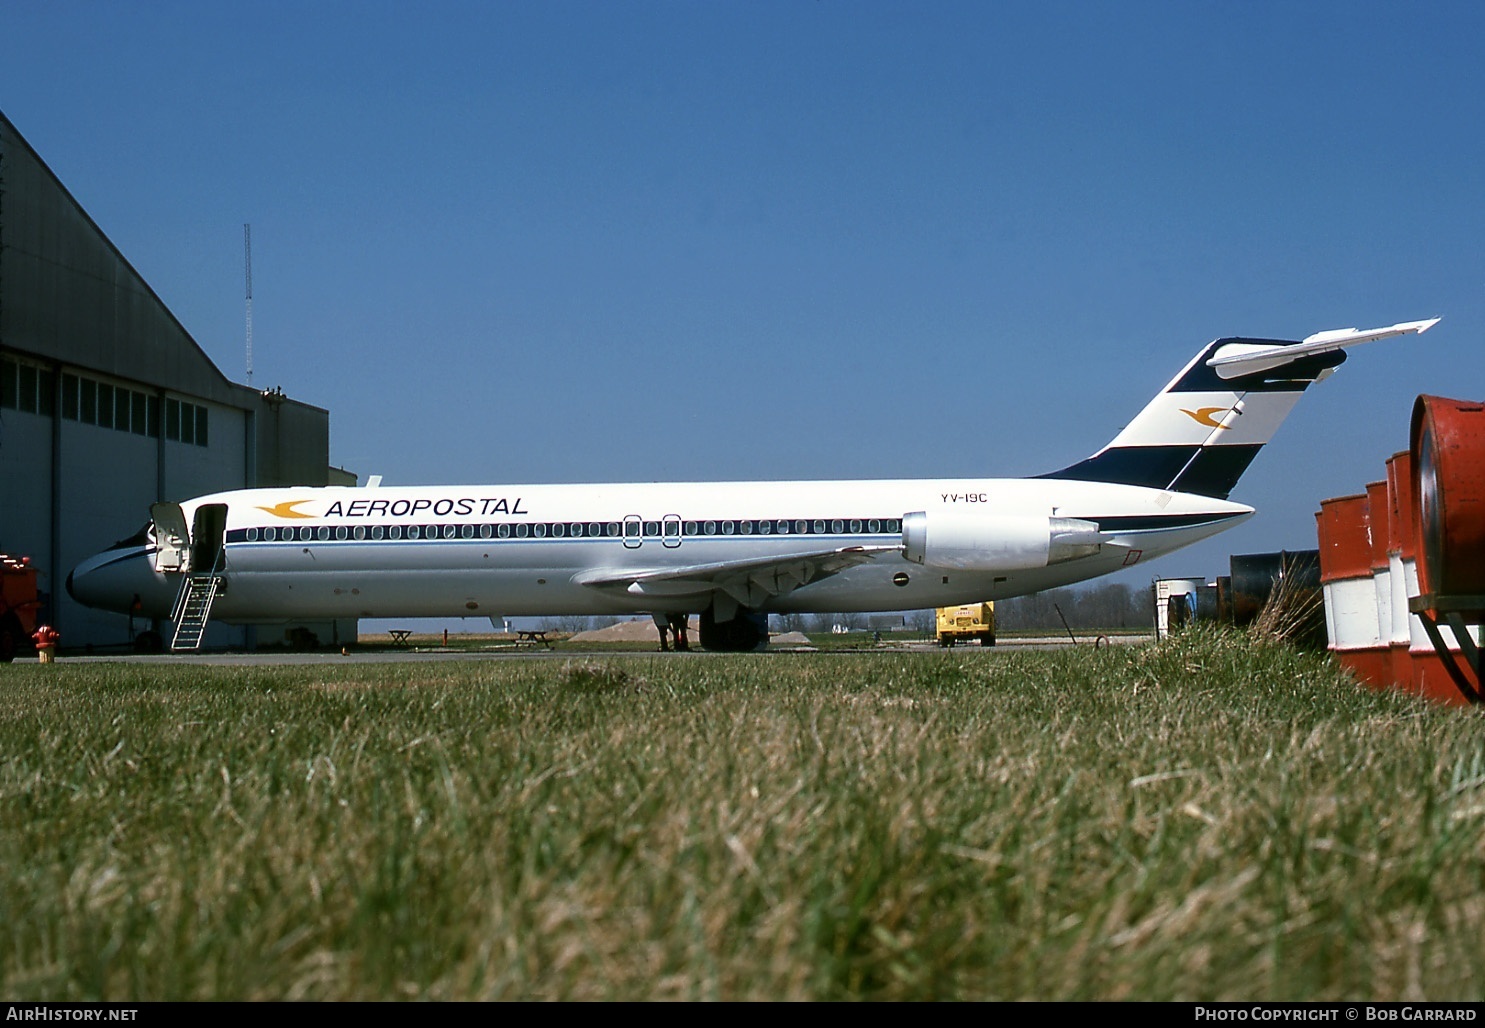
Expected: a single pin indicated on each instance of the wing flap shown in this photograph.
(749, 582)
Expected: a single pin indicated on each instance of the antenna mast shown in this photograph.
(247, 263)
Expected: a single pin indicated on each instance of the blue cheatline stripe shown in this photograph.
(1160, 522)
(574, 531)
(1117, 523)
(1204, 470)
(131, 554)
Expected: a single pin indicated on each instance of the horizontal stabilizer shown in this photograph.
(1237, 359)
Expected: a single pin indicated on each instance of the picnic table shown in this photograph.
(532, 637)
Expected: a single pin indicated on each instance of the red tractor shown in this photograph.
(18, 604)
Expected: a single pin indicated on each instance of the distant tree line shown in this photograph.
(1103, 607)
(1112, 605)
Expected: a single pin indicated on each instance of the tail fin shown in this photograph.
(1203, 429)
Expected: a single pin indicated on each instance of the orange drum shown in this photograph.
(1448, 450)
(1347, 579)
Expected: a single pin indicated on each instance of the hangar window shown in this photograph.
(69, 397)
(28, 388)
(26, 396)
(46, 398)
(184, 422)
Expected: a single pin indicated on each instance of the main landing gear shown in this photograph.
(744, 632)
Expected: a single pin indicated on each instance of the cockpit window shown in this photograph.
(139, 538)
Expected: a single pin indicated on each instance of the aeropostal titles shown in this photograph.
(444, 507)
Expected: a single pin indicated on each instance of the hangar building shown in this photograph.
(108, 405)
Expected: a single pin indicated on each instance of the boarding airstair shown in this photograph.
(193, 610)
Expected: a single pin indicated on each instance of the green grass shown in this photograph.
(1203, 819)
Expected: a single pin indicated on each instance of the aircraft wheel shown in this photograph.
(742, 634)
(149, 642)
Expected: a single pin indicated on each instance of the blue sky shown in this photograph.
(647, 241)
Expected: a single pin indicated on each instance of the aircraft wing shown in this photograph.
(1242, 359)
(749, 582)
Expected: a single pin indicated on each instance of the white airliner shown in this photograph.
(729, 551)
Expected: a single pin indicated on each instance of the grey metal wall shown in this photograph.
(73, 311)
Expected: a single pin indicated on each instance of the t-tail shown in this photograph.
(1203, 429)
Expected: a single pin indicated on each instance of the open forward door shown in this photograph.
(172, 538)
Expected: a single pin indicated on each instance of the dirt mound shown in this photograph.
(628, 631)
(789, 639)
(644, 631)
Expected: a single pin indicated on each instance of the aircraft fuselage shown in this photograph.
(466, 551)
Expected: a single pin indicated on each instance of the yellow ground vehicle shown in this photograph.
(966, 622)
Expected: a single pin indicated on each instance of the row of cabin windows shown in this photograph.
(30, 389)
(573, 529)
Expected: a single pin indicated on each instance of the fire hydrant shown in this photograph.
(46, 638)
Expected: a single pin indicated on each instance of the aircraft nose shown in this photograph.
(121, 580)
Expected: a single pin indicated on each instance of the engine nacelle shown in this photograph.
(996, 542)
